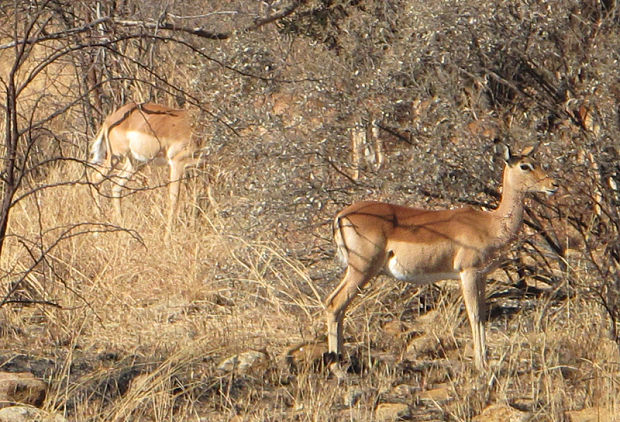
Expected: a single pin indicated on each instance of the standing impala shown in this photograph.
(145, 133)
(424, 246)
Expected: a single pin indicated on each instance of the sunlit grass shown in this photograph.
(136, 326)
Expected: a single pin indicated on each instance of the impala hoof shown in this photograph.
(330, 358)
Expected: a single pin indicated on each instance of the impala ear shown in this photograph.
(503, 149)
(529, 150)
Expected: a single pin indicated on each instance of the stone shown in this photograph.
(404, 391)
(395, 328)
(428, 321)
(21, 387)
(354, 394)
(502, 413)
(387, 412)
(305, 355)
(439, 394)
(244, 362)
(424, 345)
(591, 414)
(28, 414)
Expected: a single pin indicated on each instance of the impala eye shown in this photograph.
(526, 167)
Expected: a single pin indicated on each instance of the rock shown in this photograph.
(428, 321)
(350, 414)
(439, 394)
(21, 387)
(305, 355)
(404, 391)
(502, 413)
(28, 414)
(244, 362)
(538, 285)
(354, 394)
(424, 345)
(387, 412)
(396, 328)
(590, 414)
(387, 359)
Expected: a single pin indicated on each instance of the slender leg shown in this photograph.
(100, 173)
(334, 331)
(379, 154)
(356, 148)
(337, 303)
(176, 173)
(473, 284)
(122, 178)
(364, 256)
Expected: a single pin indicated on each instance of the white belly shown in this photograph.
(415, 275)
(145, 148)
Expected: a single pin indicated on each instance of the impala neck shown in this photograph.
(510, 210)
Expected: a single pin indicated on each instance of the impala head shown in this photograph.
(523, 174)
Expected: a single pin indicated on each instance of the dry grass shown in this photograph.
(141, 326)
(127, 327)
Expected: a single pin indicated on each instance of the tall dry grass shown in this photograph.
(140, 325)
(120, 291)
(127, 327)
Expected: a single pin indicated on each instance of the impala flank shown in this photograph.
(424, 246)
(144, 133)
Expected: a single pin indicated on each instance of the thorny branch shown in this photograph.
(160, 25)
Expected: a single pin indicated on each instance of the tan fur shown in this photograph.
(146, 133)
(423, 246)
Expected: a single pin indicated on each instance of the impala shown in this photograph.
(424, 246)
(144, 133)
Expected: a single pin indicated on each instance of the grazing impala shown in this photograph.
(424, 246)
(145, 133)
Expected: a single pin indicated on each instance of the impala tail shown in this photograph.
(99, 148)
(341, 247)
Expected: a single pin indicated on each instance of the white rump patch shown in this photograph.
(342, 255)
(98, 150)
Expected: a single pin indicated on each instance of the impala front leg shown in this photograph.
(100, 173)
(473, 284)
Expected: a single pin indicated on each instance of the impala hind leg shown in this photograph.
(473, 284)
(100, 172)
(337, 303)
(120, 181)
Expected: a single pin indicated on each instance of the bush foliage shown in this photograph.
(277, 88)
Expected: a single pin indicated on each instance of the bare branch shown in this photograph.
(282, 14)
(203, 33)
(56, 35)
(198, 31)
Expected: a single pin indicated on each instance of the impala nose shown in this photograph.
(554, 188)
